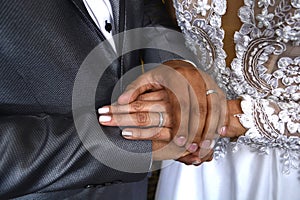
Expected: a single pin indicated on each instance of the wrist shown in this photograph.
(234, 127)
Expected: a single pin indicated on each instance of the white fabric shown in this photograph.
(243, 175)
(251, 168)
(101, 11)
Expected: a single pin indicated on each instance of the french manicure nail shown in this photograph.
(193, 147)
(212, 144)
(206, 144)
(126, 133)
(180, 141)
(223, 131)
(105, 118)
(103, 110)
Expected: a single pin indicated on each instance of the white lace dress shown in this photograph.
(265, 162)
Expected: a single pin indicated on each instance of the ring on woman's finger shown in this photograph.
(161, 119)
(208, 92)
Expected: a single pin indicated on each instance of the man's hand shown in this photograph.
(176, 92)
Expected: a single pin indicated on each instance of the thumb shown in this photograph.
(234, 127)
(142, 84)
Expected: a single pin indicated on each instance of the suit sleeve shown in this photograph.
(43, 153)
(165, 39)
(42, 45)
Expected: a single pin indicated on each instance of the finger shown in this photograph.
(180, 118)
(224, 119)
(154, 96)
(140, 119)
(233, 127)
(211, 126)
(212, 119)
(205, 148)
(190, 160)
(198, 110)
(144, 83)
(136, 106)
(162, 150)
(191, 148)
(178, 92)
(155, 133)
(208, 157)
(210, 130)
(176, 85)
(213, 116)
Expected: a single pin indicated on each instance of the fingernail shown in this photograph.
(206, 144)
(223, 131)
(212, 144)
(180, 141)
(126, 133)
(105, 118)
(103, 110)
(193, 147)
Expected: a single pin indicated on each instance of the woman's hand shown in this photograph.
(233, 126)
(142, 116)
(190, 103)
(147, 118)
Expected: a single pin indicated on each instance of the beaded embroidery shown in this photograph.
(263, 72)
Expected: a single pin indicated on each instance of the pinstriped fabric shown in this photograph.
(43, 43)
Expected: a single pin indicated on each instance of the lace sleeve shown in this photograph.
(265, 71)
(200, 22)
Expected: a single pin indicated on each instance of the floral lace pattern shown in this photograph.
(265, 71)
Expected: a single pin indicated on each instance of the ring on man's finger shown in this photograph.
(208, 92)
(161, 119)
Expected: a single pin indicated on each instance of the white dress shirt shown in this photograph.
(101, 12)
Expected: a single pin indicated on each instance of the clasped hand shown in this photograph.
(180, 108)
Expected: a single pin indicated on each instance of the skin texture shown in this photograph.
(192, 119)
(195, 131)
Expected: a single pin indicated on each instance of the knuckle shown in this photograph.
(138, 133)
(141, 97)
(160, 94)
(156, 134)
(143, 119)
(168, 135)
(168, 120)
(119, 120)
(115, 109)
(132, 86)
(168, 107)
(137, 106)
(181, 70)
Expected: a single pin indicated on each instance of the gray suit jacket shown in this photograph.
(42, 45)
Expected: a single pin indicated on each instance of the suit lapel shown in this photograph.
(82, 9)
(115, 5)
(118, 9)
